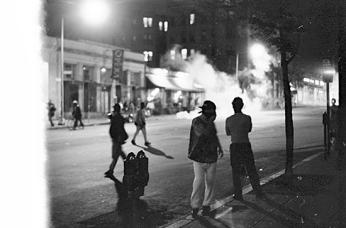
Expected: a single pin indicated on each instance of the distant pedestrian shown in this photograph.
(238, 126)
(140, 125)
(333, 119)
(118, 135)
(51, 112)
(204, 149)
(77, 115)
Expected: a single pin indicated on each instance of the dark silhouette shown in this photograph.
(204, 149)
(51, 111)
(140, 125)
(238, 126)
(118, 136)
(77, 115)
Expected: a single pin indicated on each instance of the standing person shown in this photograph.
(118, 136)
(77, 115)
(140, 125)
(333, 119)
(238, 126)
(51, 112)
(204, 149)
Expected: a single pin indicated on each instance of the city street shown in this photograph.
(80, 195)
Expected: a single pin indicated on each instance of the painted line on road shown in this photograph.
(246, 189)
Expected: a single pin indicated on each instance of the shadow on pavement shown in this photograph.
(211, 222)
(129, 212)
(156, 151)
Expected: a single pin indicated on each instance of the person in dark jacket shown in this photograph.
(204, 149)
(238, 127)
(77, 115)
(119, 136)
(51, 112)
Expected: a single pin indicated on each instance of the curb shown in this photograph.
(85, 125)
(246, 189)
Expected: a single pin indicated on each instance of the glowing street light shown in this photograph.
(257, 51)
(94, 12)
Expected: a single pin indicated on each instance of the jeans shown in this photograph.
(204, 175)
(242, 157)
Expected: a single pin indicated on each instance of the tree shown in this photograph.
(278, 24)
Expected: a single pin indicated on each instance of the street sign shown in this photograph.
(328, 72)
(118, 59)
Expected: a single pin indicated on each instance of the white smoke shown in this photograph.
(222, 88)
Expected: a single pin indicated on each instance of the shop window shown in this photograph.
(89, 97)
(148, 56)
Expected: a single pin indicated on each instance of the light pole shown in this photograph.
(61, 119)
(95, 12)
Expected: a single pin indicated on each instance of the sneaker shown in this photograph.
(133, 142)
(147, 143)
(195, 212)
(238, 197)
(206, 210)
(108, 173)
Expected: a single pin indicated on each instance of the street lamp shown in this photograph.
(92, 11)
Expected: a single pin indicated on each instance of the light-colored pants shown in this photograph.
(204, 175)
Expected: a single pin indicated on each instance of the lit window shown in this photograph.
(148, 56)
(192, 51)
(145, 22)
(192, 18)
(160, 25)
(150, 22)
(172, 54)
(184, 53)
(165, 26)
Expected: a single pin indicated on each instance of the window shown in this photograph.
(172, 52)
(192, 18)
(165, 26)
(184, 53)
(183, 37)
(69, 71)
(87, 73)
(148, 56)
(150, 22)
(145, 22)
(160, 25)
(192, 51)
(192, 37)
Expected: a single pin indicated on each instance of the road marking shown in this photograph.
(246, 189)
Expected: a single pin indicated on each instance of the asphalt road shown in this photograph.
(80, 195)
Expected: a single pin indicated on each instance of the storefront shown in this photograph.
(87, 77)
(170, 92)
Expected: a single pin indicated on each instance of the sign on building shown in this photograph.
(118, 59)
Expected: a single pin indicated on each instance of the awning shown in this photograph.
(173, 80)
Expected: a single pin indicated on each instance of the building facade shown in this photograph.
(87, 76)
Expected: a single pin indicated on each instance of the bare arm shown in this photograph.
(228, 131)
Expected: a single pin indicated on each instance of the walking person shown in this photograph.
(204, 149)
(119, 136)
(51, 112)
(140, 125)
(238, 126)
(77, 115)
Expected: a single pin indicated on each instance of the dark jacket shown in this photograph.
(203, 141)
(76, 112)
(117, 129)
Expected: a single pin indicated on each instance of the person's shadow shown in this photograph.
(132, 211)
(156, 151)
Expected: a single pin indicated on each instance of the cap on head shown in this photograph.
(75, 102)
(237, 103)
(208, 105)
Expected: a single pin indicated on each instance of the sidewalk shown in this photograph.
(314, 196)
(100, 121)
